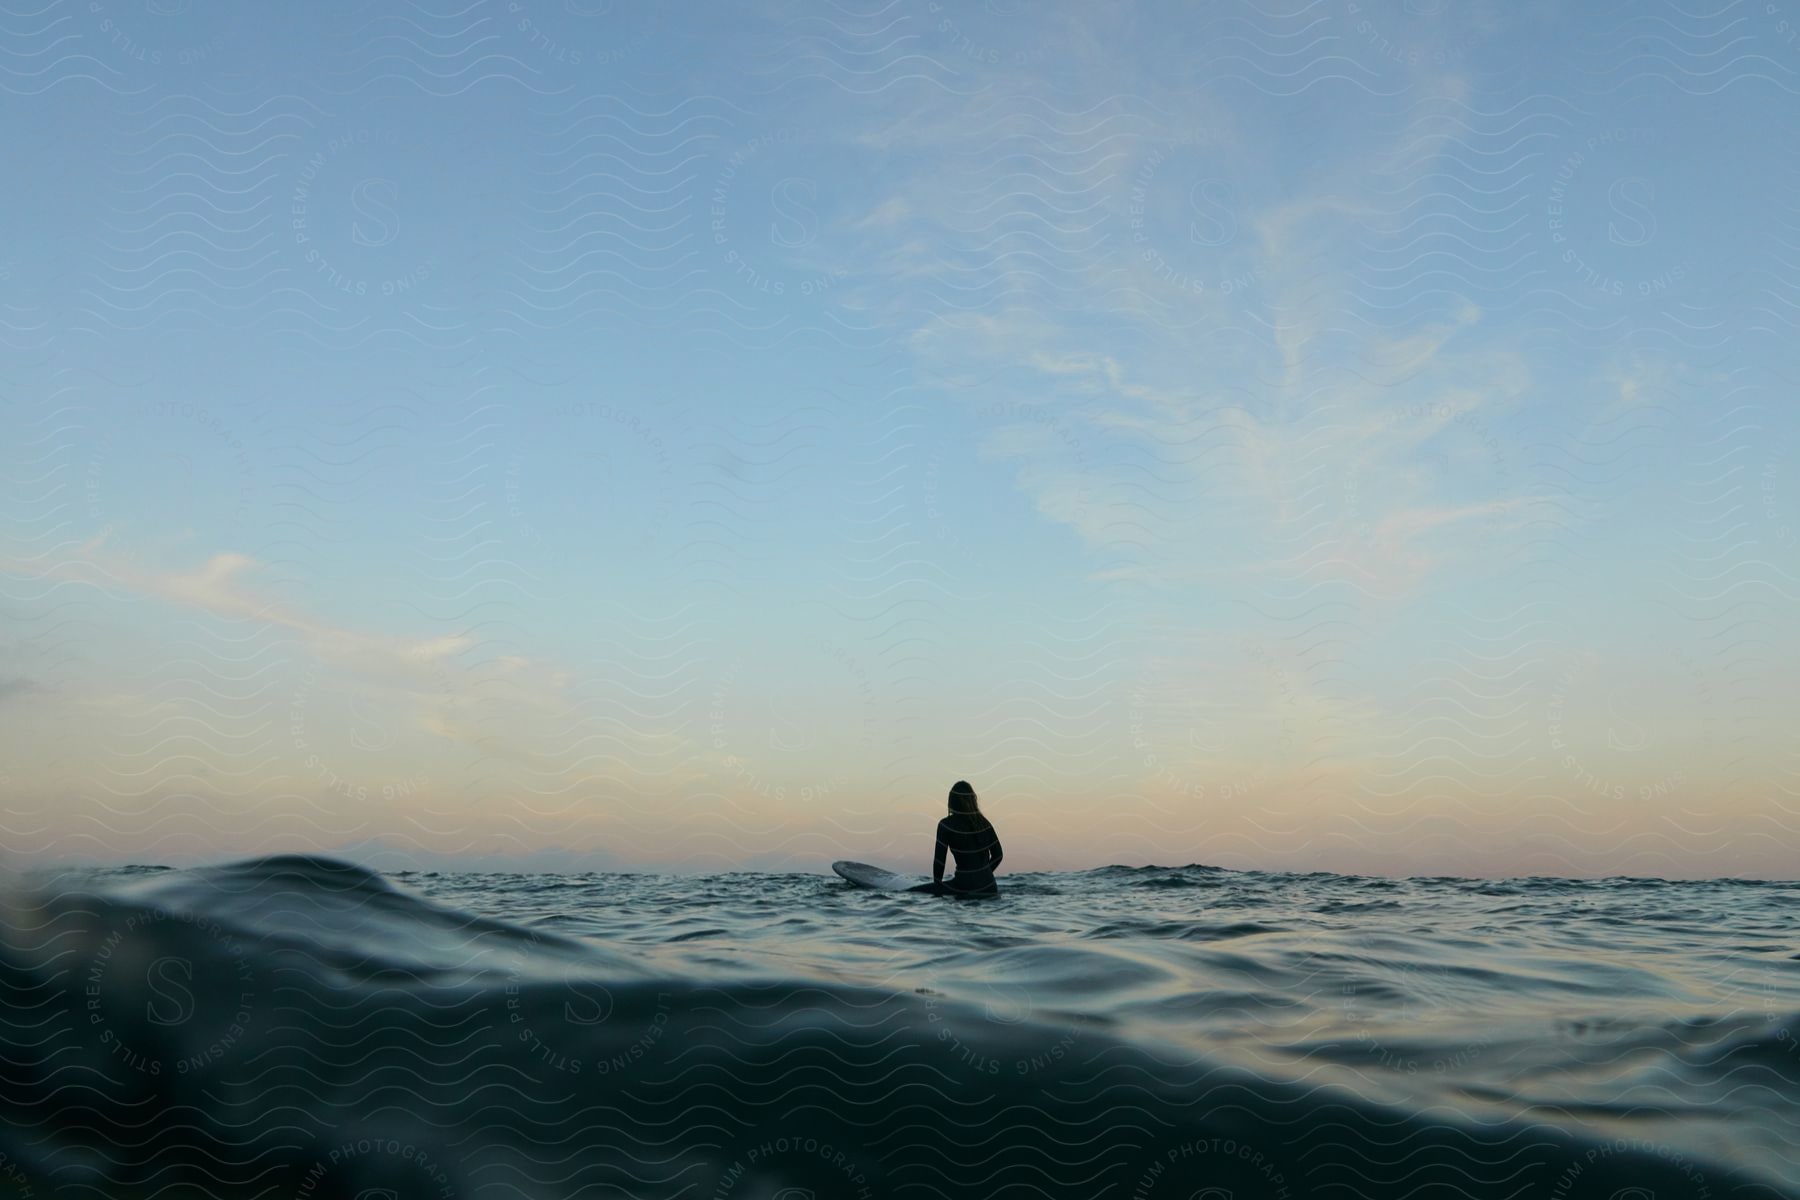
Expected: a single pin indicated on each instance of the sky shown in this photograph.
(588, 435)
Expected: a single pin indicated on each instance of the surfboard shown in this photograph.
(879, 878)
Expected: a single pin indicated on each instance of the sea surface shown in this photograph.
(304, 1028)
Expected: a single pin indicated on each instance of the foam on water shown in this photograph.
(299, 1027)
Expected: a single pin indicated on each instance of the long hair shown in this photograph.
(962, 801)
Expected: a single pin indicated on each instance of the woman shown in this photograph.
(967, 834)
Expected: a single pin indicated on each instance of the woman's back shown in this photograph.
(968, 834)
(972, 839)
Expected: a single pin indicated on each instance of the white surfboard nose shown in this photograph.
(880, 878)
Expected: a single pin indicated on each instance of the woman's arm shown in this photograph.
(994, 852)
(937, 859)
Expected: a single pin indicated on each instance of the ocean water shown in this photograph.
(303, 1028)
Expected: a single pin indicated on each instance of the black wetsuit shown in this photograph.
(977, 848)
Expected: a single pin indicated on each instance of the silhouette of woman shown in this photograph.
(971, 837)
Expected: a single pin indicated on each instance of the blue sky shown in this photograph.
(1332, 436)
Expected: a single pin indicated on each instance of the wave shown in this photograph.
(302, 1027)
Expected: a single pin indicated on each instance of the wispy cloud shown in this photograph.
(224, 586)
(16, 687)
